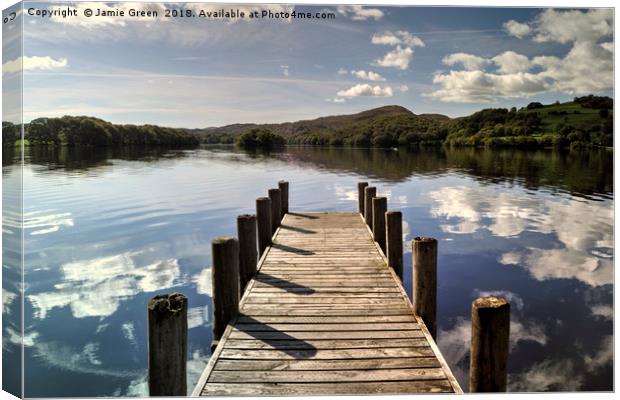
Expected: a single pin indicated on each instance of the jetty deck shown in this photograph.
(325, 314)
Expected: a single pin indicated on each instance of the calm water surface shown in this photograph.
(107, 230)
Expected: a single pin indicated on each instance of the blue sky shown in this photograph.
(199, 72)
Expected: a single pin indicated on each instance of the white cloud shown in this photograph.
(569, 26)
(517, 29)
(403, 88)
(469, 61)
(285, 70)
(399, 37)
(397, 58)
(510, 62)
(368, 76)
(484, 87)
(586, 68)
(360, 13)
(336, 100)
(342, 71)
(364, 89)
(32, 64)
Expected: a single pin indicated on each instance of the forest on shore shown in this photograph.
(584, 122)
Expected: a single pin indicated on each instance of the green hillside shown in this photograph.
(381, 127)
(586, 121)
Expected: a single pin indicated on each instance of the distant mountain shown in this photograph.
(389, 125)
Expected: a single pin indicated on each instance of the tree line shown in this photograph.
(95, 132)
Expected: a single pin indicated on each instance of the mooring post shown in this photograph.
(248, 256)
(225, 279)
(394, 238)
(369, 193)
(490, 332)
(379, 208)
(283, 186)
(425, 281)
(360, 196)
(276, 209)
(263, 223)
(167, 345)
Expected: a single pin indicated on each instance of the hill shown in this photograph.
(384, 126)
(585, 121)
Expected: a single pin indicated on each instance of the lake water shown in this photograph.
(107, 230)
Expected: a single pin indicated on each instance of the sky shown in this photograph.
(200, 72)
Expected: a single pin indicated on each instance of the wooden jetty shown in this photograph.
(322, 311)
(325, 314)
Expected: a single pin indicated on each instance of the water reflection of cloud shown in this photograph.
(203, 282)
(198, 317)
(95, 287)
(46, 223)
(584, 229)
(7, 299)
(548, 375)
(562, 374)
(81, 360)
(603, 311)
(455, 342)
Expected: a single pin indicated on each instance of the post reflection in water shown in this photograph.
(107, 229)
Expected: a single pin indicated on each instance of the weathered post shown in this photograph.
(490, 332)
(263, 223)
(379, 208)
(283, 186)
(167, 345)
(369, 193)
(276, 209)
(394, 238)
(248, 256)
(225, 279)
(425, 281)
(360, 196)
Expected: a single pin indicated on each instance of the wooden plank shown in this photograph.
(323, 365)
(382, 375)
(236, 334)
(384, 326)
(283, 389)
(326, 354)
(292, 343)
(243, 319)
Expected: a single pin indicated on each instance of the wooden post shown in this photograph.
(369, 193)
(248, 256)
(283, 186)
(263, 223)
(360, 196)
(490, 332)
(425, 281)
(379, 208)
(225, 272)
(394, 238)
(167, 345)
(276, 209)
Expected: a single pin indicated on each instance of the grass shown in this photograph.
(576, 115)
